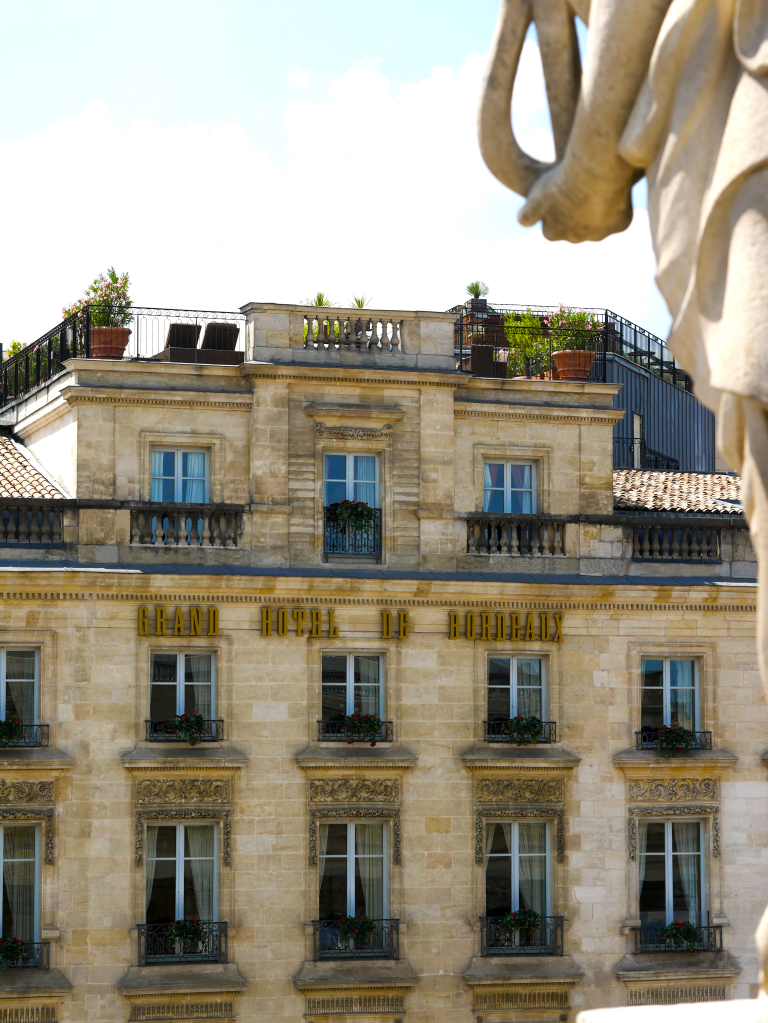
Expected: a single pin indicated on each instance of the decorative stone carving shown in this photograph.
(46, 813)
(675, 789)
(354, 790)
(523, 998)
(183, 790)
(667, 995)
(29, 1014)
(688, 810)
(162, 814)
(26, 791)
(180, 1010)
(542, 813)
(354, 1005)
(519, 790)
(367, 812)
(353, 432)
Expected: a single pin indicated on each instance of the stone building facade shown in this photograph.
(172, 543)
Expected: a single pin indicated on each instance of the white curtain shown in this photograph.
(365, 479)
(200, 839)
(150, 859)
(194, 477)
(529, 702)
(682, 694)
(157, 472)
(197, 671)
(369, 849)
(686, 840)
(642, 843)
(367, 693)
(489, 835)
(19, 880)
(532, 863)
(20, 681)
(323, 837)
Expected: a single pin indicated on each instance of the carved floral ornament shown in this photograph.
(353, 432)
(673, 790)
(184, 799)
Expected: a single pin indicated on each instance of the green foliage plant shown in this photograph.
(357, 514)
(108, 298)
(190, 727)
(355, 930)
(362, 727)
(675, 740)
(11, 731)
(521, 920)
(188, 933)
(359, 301)
(13, 951)
(523, 731)
(477, 289)
(682, 934)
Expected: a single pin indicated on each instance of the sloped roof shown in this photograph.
(20, 477)
(705, 493)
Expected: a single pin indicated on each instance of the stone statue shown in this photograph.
(676, 90)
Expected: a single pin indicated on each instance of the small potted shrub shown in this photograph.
(523, 731)
(11, 732)
(524, 921)
(189, 727)
(357, 514)
(682, 934)
(675, 740)
(187, 933)
(110, 313)
(355, 931)
(363, 727)
(13, 951)
(573, 334)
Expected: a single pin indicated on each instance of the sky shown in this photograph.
(237, 150)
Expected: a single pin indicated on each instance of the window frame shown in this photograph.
(4, 683)
(180, 676)
(180, 859)
(513, 659)
(507, 491)
(669, 865)
(178, 453)
(350, 678)
(515, 859)
(351, 858)
(36, 910)
(666, 689)
(350, 474)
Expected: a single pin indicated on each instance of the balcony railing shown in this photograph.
(498, 731)
(163, 731)
(331, 731)
(35, 955)
(186, 525)
(383, 943)
(349, 541)
(547, 939)
(686, 541)
(155, 946)
(710, 939)
(30, 736)
(531, 536)
(164, 335)
(38, 522)
(629, 453)
(648, 738)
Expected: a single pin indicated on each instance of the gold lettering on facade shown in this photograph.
(178, 623)
(492, 626)
(453, 625)
(333, 629)
(315, 619)
(195, 628)
(179, 628)
(404, 627)
(143, 621)
(386, 625)
(299, 614)
(282, 622)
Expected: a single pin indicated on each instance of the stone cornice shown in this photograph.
(542, 414)
(79, 395)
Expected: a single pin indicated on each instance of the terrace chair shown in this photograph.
(181, 343)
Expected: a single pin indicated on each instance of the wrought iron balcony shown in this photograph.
(331, 731)
(26, 737)
(164, 731)
(544, 940)
(186, 525)
(649, 739)
(32, 955)
(530, 536)
(156, 946)
(649, 939)
(349, 541)
(498, 731)
(382, 943)
(633, 453)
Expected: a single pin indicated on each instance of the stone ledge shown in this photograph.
(524, 969)
(652, 760)
(41, 757)
(325, 757)
(218, 757)
(543, 758)
(182, 978)
(677, 966)
(347, 410)
(32, 983)
(349, 973)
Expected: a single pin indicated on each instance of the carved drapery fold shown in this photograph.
(683, 810)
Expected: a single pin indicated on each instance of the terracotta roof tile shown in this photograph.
(708, 493)
(19, 477)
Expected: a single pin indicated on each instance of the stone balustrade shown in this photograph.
(38, 522)
(185, 525)
(676, 541)
(515, 535)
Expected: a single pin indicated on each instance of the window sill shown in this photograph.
(676, 966)
(524, 969)
(354, 973)
(646, 758)
(356, 755)
(165, 755)
(32, 983)
(181, 978)
(35, 756)
(491, 754)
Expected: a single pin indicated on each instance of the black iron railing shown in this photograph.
(650, 939)
(209, 946)
(32, 955)
(648, 738)
(382, 943)
(498, 731)
(166, 335)
(346, 540)
(331, 731)
(164, 731)
(635, 454)
(547, 939)
(25, 736)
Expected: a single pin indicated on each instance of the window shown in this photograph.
(517, 868)
(18, 692)
(351, 478)
(180, 476)
(515, 687)
(181, 684)
(669, 694)
(351, 685)
(671, 872)
(509, 487)
(352, 873)
(637, 441)
(181, 880)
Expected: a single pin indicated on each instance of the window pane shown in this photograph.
(520, 502)
(651, 709)
(681, 673)
(653, 673)
(498, 870)
(498, 689)
(367, 694)
(19, 883)
(164, 463)
(198, 685)
(193, 476)
(20, 664)
(336, 467)
(198, 872)
(493, 475)
(681, 708)
(162, 699)
(336, 837)
(686, 867)
(333, 870)
(653, 909)
(520, 477)
(529, 690)
(532, 867)
(161, 874)
(20, 701)
(335, 493)
(334, 687)
(163, 490)
(500, 839)
(369, 870)
(364, 468)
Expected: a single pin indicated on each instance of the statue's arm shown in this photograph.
(588, 195)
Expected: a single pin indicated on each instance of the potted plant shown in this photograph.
(11, 731)
(13, 951)
(523, 731)
(524, 921)
(357, 514)
(187, 933)
(675, 740)
(109, 307)
(363, 727)
(190, 727)
(355, 931)
(573, 334)
(528, 356)
(477, 290)
(681, 933)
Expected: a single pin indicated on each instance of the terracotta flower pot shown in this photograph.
(109, 342)
(573, 364)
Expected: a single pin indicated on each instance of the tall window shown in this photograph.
(181, 879)
(351, 685)
(351, 478)
(352, 875)
(516, 868)
(669, 694)
(509, 487)
(671, 872)
(515, 687)
(18, 692)
(181, 684)
(180, 476)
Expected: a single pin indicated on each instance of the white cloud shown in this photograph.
(298, 79)
(379, 190)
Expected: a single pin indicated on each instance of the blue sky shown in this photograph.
(231, 151)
